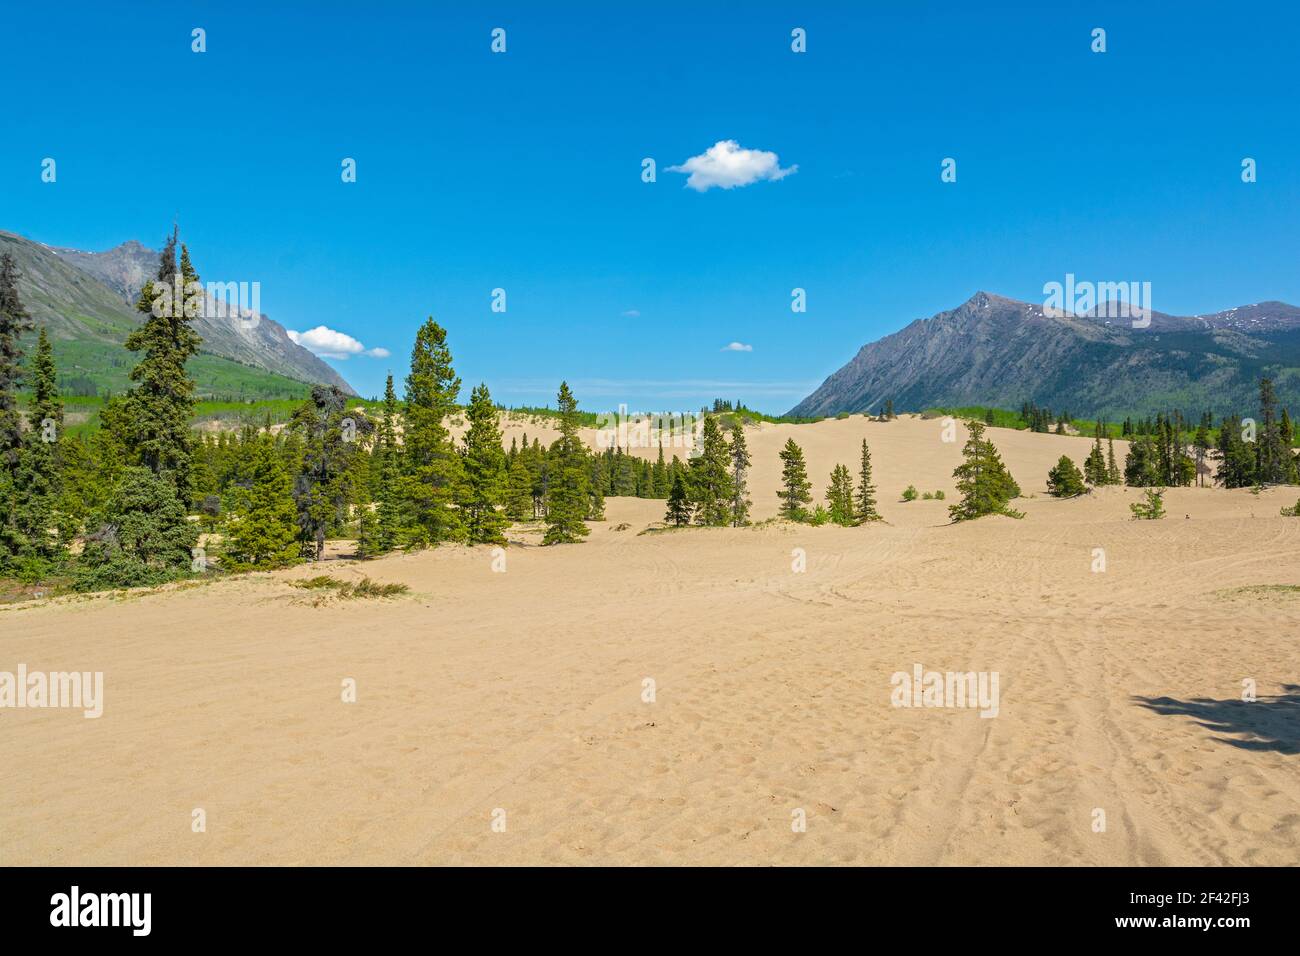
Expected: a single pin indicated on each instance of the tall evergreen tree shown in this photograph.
(865, 502)
(484, 472)
(263, 531)
(739, 475)
(14, 321)
(1094, 466)
(985, 485)
(566, 494)
(1113, 477)
(1237, 460)
(158, 409)
(519, 491)
(796, 490)
(38, 484)
(433, 475)
(839, 497)
(323, 489)
(1272, 455)
(711, 490)
(387, 476)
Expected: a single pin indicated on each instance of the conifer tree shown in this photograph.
(679, 506)
(387, 476)
(1273, 457)
(839, 497)
(38, 485)
(985, 485)
(432, 472)
(796, 490)
(1113, 477)
(14, 321)
(158, 409)
(1142, 466)
(711, 490)
(323, 489)
(263, 527)
(567, 500)
(484, 486)
(739, 475)
(1065, 480)
(1094, 466)
(660, 480)
(865, 502)
(519, 491)
(1237, 462)
(141, 536)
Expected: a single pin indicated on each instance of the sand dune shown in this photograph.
(523, 691)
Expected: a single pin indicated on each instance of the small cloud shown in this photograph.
(726, 164)
(736, 347)
(328, 343)
(632, 314)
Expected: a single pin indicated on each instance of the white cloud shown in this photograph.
(737, 347)
(327, 343)
(726, 165)
(633, 313)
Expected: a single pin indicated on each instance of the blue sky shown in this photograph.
(523, 170)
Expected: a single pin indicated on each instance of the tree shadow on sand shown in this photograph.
(1269, 723)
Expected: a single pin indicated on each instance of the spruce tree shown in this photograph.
(158, 409)
(484, 486)
(1065, 480)
(38, 484)
(323, 489)
(985, 485)
(739, 475)
(387, 476)
(432, 473)
(679, 506)
(263, 528)
(711, 489)
(14, 321)
(519, 491)
(865, 502)
(839, 497)
(566, 493)
(796, 490)
(141, 536)
(1113, 477)
(1094, 466)
(1273, 456)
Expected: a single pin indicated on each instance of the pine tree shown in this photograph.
(1273, 456)
(14, 321)
(432, 476)
(519, 491)
(1065, 480)
(158, 409)
(866, 495)
(660, 481)
(566, 493)
(140, 537)
(679, 506)
(711, 490)
(484, 487)
(1094, 466)
(985, 484)
(739, 475)
(1142, 466)
(796, 490)
(1151, 508)
(37, 484)
(263, 528)
(1113, 477)
(387, 476)
(839, 497)
(323, 489)
(1237, 462)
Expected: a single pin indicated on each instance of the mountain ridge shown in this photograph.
(86, 301)
(995, 350)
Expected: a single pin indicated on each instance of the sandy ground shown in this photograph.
(522, 692)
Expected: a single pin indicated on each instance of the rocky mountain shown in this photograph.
(87, 302)
(992, 350)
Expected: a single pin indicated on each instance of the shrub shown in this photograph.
(909, 493)
(1151, 508)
